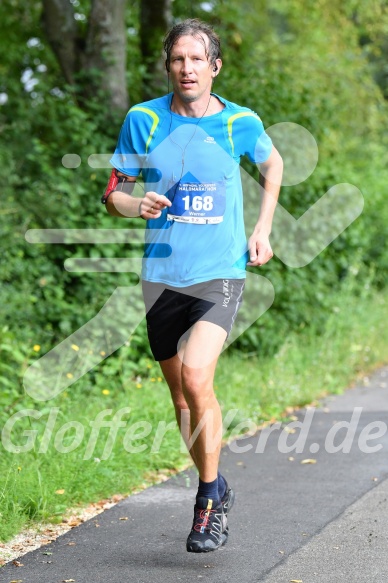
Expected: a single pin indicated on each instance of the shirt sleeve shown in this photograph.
(263, 148)
(128, 156)
(249, 137)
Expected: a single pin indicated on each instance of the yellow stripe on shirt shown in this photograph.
(233, 119)
(155, 119)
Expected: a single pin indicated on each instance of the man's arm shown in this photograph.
(271, 171)
(121, 203)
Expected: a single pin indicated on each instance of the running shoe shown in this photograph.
(209, 531)
(227, 499)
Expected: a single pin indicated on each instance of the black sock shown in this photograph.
(221, 485)
(209, 490)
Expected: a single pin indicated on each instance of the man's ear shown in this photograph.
(217, 67)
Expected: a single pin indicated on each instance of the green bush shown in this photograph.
(276, 62)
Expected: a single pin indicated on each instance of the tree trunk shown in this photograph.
(105, 51)
(97, 63)
(155, 19)
(61, 30)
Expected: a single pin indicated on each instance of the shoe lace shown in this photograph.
(202, 518)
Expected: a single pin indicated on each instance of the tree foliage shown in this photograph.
(310, 63)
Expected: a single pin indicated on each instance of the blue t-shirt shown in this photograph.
(195, 163)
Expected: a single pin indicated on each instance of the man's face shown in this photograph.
(190, 70)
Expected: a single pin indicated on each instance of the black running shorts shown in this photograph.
(171, 311)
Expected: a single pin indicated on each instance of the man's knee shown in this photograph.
(197, 386)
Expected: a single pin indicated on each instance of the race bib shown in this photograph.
(198, 203)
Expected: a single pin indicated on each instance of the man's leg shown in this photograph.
(199, 361)
(190, 377)
(172, 372)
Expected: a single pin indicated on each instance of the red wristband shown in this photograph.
(113, 182)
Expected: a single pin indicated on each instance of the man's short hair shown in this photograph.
(198, 29)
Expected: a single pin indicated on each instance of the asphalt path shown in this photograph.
(324, 521)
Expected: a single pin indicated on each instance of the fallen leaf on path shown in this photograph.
(124, 518)
(70, 544)
(309, 461)
(289, 429)
(68, 580)
(291, 459)
(296, 581)
(16, 581)
(17, 564)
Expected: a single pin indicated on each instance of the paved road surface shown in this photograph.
(325, 522)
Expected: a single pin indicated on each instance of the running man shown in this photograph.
(187, 146)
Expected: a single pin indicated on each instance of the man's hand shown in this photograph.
(260, 251)
(152, 204)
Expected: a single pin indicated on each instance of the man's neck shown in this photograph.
(201, 108)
